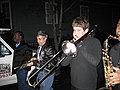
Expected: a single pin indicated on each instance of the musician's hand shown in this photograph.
(114, 78)
(33, 58)
(30, 64)
(116, 68)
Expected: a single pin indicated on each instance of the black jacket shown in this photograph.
(115, 57)
(22, 54)
(84, 65)
(46, 53)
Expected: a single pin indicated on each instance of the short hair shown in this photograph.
(42, 33)
(82, 22)
(118, 21)
(20, 33)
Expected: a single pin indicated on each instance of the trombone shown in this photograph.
(68, 49)
(32, 78)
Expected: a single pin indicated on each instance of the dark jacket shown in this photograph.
(22, 54)
(46, 53)
(84, 65)
(115, 57)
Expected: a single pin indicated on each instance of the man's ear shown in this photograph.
(21, 37)
(45, 39)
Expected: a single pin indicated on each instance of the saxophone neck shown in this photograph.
(106, 42)
(112, 37)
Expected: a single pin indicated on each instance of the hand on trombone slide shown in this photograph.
(27, 64)
(30, 63)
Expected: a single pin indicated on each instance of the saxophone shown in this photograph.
(107, 62)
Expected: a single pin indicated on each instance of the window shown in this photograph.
(5, 14)
(84, 11)
(51, 13)
(4, 50)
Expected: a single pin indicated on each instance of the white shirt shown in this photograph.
(38, 52)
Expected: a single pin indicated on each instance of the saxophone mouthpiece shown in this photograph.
(112, 37)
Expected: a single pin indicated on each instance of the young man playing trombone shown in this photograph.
(84, 64)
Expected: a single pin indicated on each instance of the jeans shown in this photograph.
(48, 82)
(21, 78)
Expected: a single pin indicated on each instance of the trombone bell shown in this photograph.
(69, 48)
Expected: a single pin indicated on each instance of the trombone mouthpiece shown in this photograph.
(74, 39)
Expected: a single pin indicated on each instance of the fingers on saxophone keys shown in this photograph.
(118, 79)
(114, 81)
(110, 82)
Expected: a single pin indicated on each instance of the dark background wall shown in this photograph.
(29, 16)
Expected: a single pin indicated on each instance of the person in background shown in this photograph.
(84, 65)
(45, 52)
(22, 54)
(114, 78)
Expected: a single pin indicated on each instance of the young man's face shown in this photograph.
(78, 32)
(41, 40)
